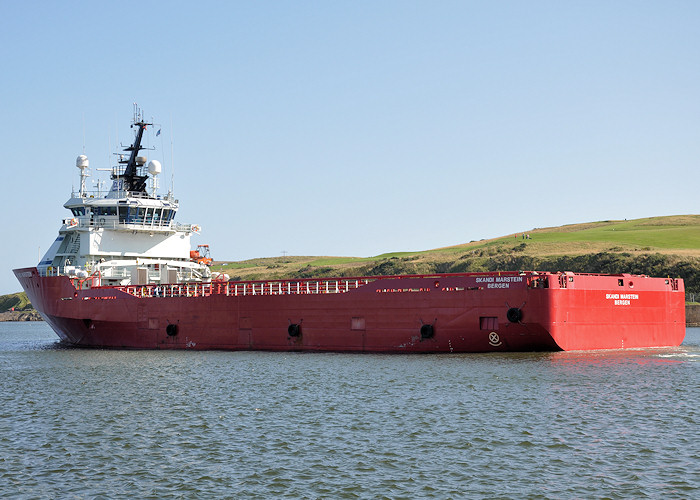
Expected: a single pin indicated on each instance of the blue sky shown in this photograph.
(355, 128)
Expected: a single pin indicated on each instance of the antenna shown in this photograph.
(172, 160)
(99, 183)
(116, 121)
(159, 134)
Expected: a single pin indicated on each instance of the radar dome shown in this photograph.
(82, 162)
(154, 167)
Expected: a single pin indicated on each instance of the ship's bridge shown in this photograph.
(126, 234)
(128, 213)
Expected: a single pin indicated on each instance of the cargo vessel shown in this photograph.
(121, 274)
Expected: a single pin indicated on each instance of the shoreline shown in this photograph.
(31, 315)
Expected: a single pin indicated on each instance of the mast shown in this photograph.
(133, 182)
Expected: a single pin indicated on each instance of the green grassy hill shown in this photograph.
(657, 246)
(18, 301)
(663, 234)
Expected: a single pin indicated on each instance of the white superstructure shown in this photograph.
(126, 235)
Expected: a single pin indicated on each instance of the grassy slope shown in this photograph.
(658, 233)
(17, 300)
(673, 235)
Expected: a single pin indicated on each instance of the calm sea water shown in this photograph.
(78, 423)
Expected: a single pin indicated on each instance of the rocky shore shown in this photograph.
(30, 315)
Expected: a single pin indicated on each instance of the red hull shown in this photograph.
(478, 312)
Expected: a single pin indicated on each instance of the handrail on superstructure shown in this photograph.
(108, 222)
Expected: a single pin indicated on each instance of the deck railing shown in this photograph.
(401, 283)
(230, 288)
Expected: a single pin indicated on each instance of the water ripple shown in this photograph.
(102, 424)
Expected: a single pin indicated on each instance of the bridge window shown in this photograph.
(102, 211)
(123, 214)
